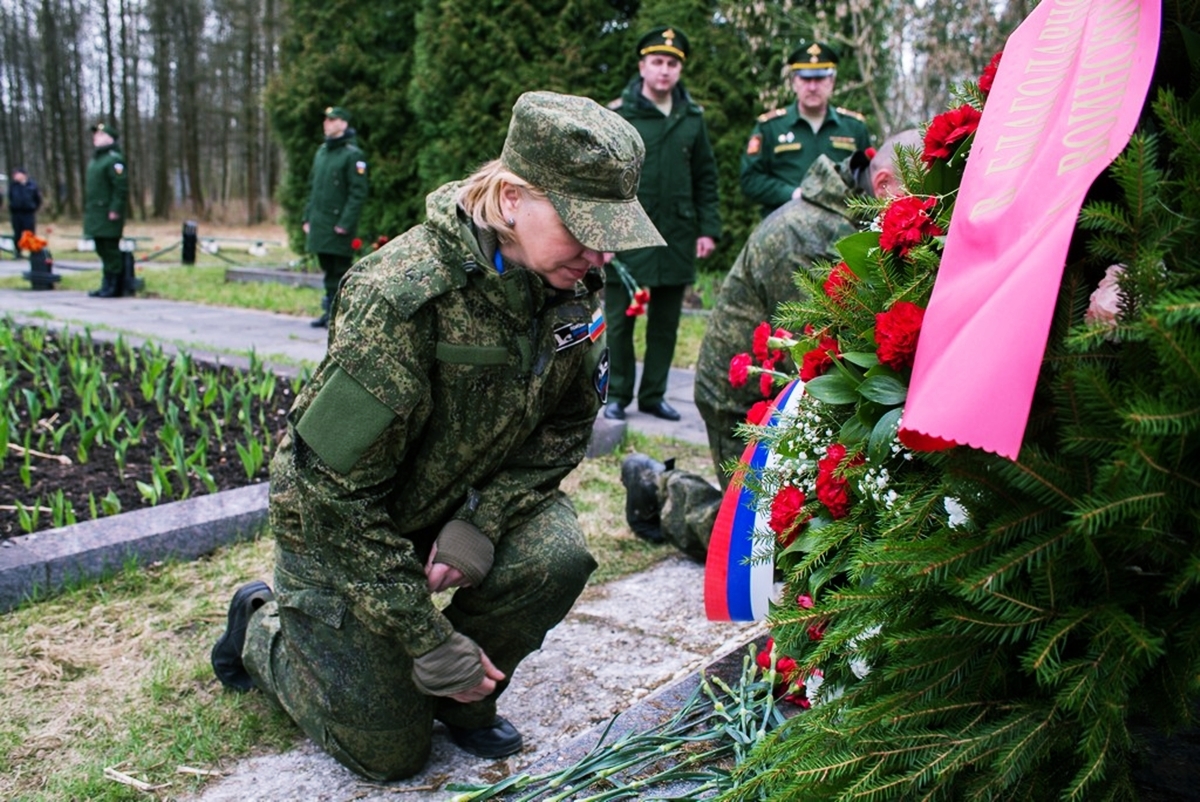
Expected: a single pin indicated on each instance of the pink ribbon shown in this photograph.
(1065, 101)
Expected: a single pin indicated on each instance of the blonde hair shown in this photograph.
(480, 197)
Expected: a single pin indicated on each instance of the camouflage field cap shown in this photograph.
(588, 161)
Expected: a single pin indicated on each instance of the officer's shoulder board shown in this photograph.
(767, 116)
(851, 113)
(616, 104)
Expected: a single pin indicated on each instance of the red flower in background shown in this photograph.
(739, 369)
(355, 244)
(989, 73)
(785, 509)
(805, 601)
(762, 352)
(819, 360)
(833, 490)
(948, 129)
(817, 631)
(766, 382)
(906, 222)
(896, 332)
(840, 280)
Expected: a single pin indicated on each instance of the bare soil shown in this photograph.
(100, 474)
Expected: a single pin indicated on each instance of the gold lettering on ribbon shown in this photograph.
(1107, 61)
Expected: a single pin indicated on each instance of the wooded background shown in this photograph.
(219, 102)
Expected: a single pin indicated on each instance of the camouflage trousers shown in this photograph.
(351, 690)
(689, 502)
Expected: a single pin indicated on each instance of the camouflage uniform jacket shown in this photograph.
(678, 186)
(796, 235)
(338, 183)
(105, 190)
(783, 145)
(449, 390)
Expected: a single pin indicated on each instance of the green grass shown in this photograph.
(115, 673)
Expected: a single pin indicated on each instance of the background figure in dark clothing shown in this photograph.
(106, 188)
(24, 199)
(338, 187)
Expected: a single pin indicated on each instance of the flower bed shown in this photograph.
(93, 429)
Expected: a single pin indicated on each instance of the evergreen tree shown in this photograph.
(472, 62)
(357, 55)
(1025, 654)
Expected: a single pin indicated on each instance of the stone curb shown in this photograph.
(45, 562)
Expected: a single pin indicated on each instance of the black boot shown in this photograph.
(108, 288)
(639, 474)
(323, 321)
(227, 651)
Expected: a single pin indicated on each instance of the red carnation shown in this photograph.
(739, 369)
(785, 509)
(780, 334)
(805, 601)
(819, 360)
(641, 296)
(896, 331)
(635, 309)
(758, 413)
(355, 244)
(989, 73)
(833, 490)
(817, 631)
(762, 333)
(906, 222)
(947, 130)
(766, 382)
(839, 281)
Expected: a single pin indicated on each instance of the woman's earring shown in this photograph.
(511, 222)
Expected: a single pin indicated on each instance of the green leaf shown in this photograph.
(832, 388)
(864, 359)
(855, 249)
(853, 431)
(879, 447)
(884, 390)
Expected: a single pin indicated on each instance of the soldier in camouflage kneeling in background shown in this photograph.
(663, 503)
(466, 366)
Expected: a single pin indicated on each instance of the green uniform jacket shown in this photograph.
(449, 390)
(678, 188)
(782, 146)
(795, 236)
(106, 189)
(338, 183)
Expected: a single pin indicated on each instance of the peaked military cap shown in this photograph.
(337, 113)
(588, 161)
(813, 60)
(108, 128)
(666, 40)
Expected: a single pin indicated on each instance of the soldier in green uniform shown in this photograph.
(785, 142)
(338, 189)
(679, 192)
(664, 503)
(106, 189)
(466, 365)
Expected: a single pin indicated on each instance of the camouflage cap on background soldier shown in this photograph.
(107, 128)
(588, 161)
(337, 113)
(813, 60)
(665, 40)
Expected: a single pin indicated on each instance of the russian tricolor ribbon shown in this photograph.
(739, 573)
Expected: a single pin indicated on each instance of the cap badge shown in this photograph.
(813, 51)
(328, 110)
(629, 181)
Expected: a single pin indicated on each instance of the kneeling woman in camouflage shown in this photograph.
(465, 368)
